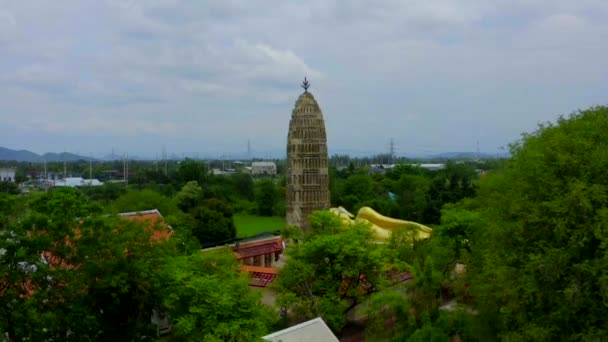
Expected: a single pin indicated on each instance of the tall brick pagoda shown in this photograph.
(307, 174)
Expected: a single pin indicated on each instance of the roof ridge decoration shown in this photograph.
(305, 85)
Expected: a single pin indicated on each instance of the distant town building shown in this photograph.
(263, 168)
(307, 163)
(430, 167)
(76, 182)
(7, 175)
(220, 172)
(376, 169)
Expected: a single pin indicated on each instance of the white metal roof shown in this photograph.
(313, 330)
(263, 163)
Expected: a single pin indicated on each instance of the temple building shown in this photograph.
(307, 163)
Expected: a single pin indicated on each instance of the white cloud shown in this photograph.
(8, 26)
(203, 68)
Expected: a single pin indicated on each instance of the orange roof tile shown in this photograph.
(256, 248)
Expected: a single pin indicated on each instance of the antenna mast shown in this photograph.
(165, 159)
(392, 150)
(124, 169)
(248, 148)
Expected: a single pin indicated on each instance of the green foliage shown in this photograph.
(7, 203)
(106, 193)
(429, 333)
(356, 189)
(325, 222)
(244, 185)
(292, 233)
(449, 185)
(140, 200)
(329, 273)
(405, 192)
(540, 261)
(412, 190)
(189, 197)
(266, 197)
(213, 222)
(192, 170)
(208, 299)
(95, 279)
(9, 188)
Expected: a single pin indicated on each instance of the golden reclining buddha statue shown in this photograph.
(381, 225)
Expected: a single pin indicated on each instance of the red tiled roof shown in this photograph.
(260, 276)
(259, 269)
(258, 248)
(153, 217)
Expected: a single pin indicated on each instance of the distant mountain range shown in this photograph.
(28, 156)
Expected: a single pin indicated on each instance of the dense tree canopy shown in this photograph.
(213, 222)
(69, 274)
(208, 299)
(541, 258)
(9, 187)
(102, 277)
(330, 270)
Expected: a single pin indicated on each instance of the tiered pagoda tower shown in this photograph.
(307, 173)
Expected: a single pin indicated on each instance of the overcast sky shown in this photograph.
(206, 76)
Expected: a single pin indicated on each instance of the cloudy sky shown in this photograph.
(206, 76)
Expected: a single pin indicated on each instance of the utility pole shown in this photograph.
(124, 169)
(91, 169)
(392, 150)
(165, 159)
(249, 149)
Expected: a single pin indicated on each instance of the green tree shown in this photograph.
(147, 199)
(330, 271)
(69, 274)
(213, 222)
(106, 193)
(412, 196)
(189, 196)
(449, 185)
(192, 170)
(208, 299)
(356, 189)
(540, 262)
(244, 185)
(266, 197)
(9, 187)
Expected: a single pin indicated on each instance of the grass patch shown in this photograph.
(248, 225)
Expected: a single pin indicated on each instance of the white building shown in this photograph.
(263, 168)
(430, 167)
(7, 175)
(76, 182)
